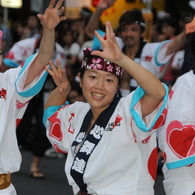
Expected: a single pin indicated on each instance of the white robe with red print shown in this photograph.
(177, 138)
(27, 47)
(13, 102)
(124, 161)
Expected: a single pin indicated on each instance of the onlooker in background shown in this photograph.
(169, 28)
(85, 15)
(71, 49)
(32, 27)
(171, 71)
(189, 58)
(17, 30)
(77, 27)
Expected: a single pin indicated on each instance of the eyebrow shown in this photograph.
(95, 71)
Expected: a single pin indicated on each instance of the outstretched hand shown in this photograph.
(52, 15)
(59, 76)
(111, 50)
(105, 4)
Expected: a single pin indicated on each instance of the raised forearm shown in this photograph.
(144, 78)
(177, 43)
(43, 57)
(93, 23)
(46, 48)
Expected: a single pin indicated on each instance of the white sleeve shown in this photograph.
(25, 94)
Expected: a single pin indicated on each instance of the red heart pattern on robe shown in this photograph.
(161, 120)
(181, 139)
(152, 163)
(55, 129)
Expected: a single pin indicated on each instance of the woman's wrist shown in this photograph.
(120, 59)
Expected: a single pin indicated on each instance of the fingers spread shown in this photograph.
(59, 4)
(51, 4)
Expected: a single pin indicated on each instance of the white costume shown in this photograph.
(23, 49)
(125, 158)
(176, 138)
(13, 102)
(27, 47)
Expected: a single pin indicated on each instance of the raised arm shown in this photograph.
(58, 95)
(93, 23)
(49, 20)
(177, 43)
(180, 40)
(153, 87)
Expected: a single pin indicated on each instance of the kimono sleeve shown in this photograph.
(58, 122)
(25, 94)
(141, 128)
(160, 56)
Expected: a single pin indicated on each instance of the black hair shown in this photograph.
(189, 57)
(132, 17)
(192, 43)
(191, 39)
(171, 22)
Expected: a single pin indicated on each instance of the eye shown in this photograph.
(135, 29)
(124, 29)
(92, 77)
(109, 80)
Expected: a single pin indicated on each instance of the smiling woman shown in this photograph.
(109, 145)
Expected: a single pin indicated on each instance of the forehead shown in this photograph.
(130, 26)
(100, 73)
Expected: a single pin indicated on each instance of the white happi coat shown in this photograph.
(13, 102)
(176, 138)
(27, 47)
(153, 58)
(124, 161)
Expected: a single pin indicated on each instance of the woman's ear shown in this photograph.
(79, 77)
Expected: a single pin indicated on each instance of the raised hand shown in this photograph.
(105, 4)
(59, 76)
(52, 15)
(111, 50)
